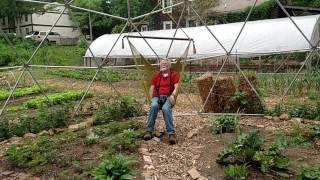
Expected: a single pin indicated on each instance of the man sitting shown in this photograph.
(163, 92)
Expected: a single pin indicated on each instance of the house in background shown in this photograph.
(27, 23)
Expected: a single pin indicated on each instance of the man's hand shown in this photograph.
(172, 99)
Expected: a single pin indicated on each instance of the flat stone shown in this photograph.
(284, 117)
(202, 178)
(147, 159)
(29, 135)
(194, 173)
(84, 124)
(23, 176)
(148, 167)
(296, 120)
(156, 139)
(144, 151)
(34, 178)
(144, 146)
(51, 132)
(271, 128)
(43, 133)
(276, 118)
(268, 117)
(260, 126)
(192, 133)
(7, 173)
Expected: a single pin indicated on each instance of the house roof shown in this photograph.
(234, 5)
(263, 37)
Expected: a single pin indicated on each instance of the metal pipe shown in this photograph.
(175, 32)
(154, 37)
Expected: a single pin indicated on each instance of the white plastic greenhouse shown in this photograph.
(262, 37)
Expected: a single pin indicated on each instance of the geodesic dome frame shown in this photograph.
(226, 50)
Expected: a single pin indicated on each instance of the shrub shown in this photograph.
(122, 108)
(4, 129)
(309, 173)
(243, 149)
(92, 138)
(236, 172)
(116, 127)
(125, 141)
(30, 153)
(118, 167)
(225, 124)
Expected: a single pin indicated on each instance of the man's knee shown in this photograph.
(166, 108)
(154, 105)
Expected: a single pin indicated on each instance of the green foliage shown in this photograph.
(46, 118)
(50, 55)
(243, 149)
(236, 172)
(277, 110)
(118, 167)
(20, 92)
(302, 111)
(121, 108)
(272, 157)
(106, 75)
(309, 173)
(240, 98)
(247, 149)
(92, 138)
(31, 153)
(262, 11)
(58, 98)
(113, 128)
(125, 141)
(225, 124)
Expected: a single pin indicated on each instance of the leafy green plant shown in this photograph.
(118, 167)
(225, 124)
(242, 150)
(92, 138)
(20, 92)
(122, 108)
(309, 173)
(236, 172)
(302, 111)
(277, 110)
(117, 127)
(31, 153)
(127, 140)
(240, 98)
(272, 157)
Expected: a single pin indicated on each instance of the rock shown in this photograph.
(34, 178)
(147, 159)
(23, 176)
(194, 173)
(271, 128)
(158, 134)
(51, 132)
(268, 117)
(29, 135)
(43, 133)
(84, 124)
(202, 178)
(156, 139)
(148, 167)
(144, 146)
(7, 173)
(276, 118)
(284, 117)
(144, 151)
(192, 133)
(15, 139)
(296, 120)
(58, 130)
(260, 126)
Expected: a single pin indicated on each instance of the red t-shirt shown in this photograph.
(162, 84)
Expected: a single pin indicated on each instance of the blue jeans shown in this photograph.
(167, 115)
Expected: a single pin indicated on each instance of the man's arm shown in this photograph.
(151, 91)
(174, 94)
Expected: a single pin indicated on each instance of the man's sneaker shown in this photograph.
(172, 139)
(147, 136)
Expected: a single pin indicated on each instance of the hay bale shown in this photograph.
(219, 99)
(254, 103)
(204, 84)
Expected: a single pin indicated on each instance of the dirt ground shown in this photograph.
(173, 162)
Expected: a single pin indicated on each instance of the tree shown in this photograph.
(102, 24)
